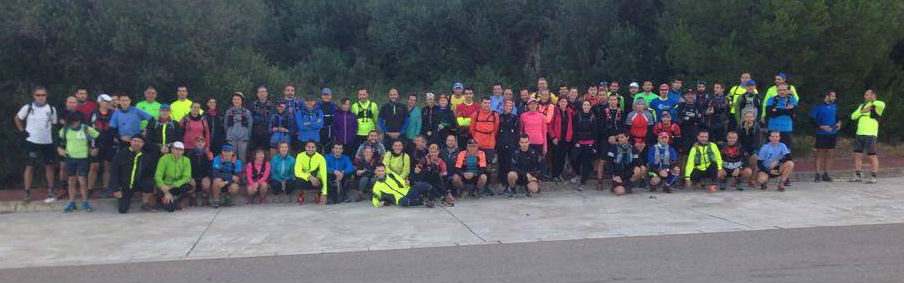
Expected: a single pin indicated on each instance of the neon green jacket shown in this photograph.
(773, 91)
(367, 114)
(702, 157)
(399, 165)
(868, 123)
(392, 187)
(305, 166)
(172, 172)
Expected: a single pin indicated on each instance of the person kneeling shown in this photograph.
(735, 162)
(173, 177)
(774, 161)
(525, 166)
(471, 165)
(132, 172)
(340, 171)
(703, 162)
(662, 161)
(625, 165)
(257, 176)
(226, 169)
(391, 189)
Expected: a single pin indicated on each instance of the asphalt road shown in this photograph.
(868, 253)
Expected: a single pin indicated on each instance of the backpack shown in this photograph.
(187, 120)
(88, 139)
(749, 103)
(30, 110)
(709, 155)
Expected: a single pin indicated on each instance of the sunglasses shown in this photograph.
(40, 95)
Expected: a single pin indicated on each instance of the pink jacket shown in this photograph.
(263, 174)
(534, 125)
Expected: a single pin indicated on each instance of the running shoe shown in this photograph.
(87, 207)
(872, 180)
(857, 178)
(52, 197)
(826, 178)
(70, 207)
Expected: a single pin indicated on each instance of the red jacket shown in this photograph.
(555, 125)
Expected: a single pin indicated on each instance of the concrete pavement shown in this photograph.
(55, 238)
(866, 253)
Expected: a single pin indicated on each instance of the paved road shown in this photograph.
(865, 253)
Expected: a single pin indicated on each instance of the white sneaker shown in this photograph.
(50, 199)
(575, 180)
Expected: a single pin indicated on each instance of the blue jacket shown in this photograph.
(343, 163)
(128, 123)
(825, 114)
(663, 164)
(780, 116)
(225, 170)
(497, 103)
(309, 122)
(282, 168)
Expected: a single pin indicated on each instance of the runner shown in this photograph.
(626, 166)
(328, 108)
(734, 93)
(282, 171)
(704, 161)
(367, 113)
(662, 164)
(506, 140)
(345, 127)
(226, 170)
(780, 79)
(432, 171)
(533, 124)
(735, 162)
(149, 105)
(526, 164)
(35, 124)
(780, 111)
(215, 123)
(261, 109)
(750, 101)
(127, 121)
(611, 123)
(397, 161)
(717, 112)
(750, 135)
(463, 113)
(640, 122)
(497, 98)
(162, 133)
(826, 120)
(237, 122)
(648, 95)
(173, 178)
(182, 105)
(414, 118)
(75, 143)
(774, 161)
(471, 167)
(282, 127)
(485, 127)
(438, 121)
(666, 126)
(309, 120)
(257, 178)
(868, 115)
(200, 158)
(103, 145)
(310, 168)
(560, 135)
(585, 132)
(194, 125)
(390, 189)
(457, 97)
(364, 172)
(371, 142)
(663, 102)
(690, 118)
(339, 172)
(292, 103)
(133, 172)
(393, 119)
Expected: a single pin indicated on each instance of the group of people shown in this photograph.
(402, 153)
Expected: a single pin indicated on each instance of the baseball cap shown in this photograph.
(751, 82)
(604, 83)
(430, 95)
(532, 101)
(227, 148)
(104, 97)
(164, 106)
(663, 135)
(326, 91)
(458, 85)
(783, 75)
(178, 145)
(634, 84)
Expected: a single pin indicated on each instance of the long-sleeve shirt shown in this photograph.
(341, 163)
(868, 123)
(463, 113)
(367, 113)
(780, 110)
(414, 123)
(484, 126)
(282, 167)
(345, 127)
(128, 122)
(172, 172)
(238, 124)
(824, 114)
(393, 117)
(309, 122)
(193, 127)
(257, 173)
(398, 164)
(311, 165)
(533, 124)
(701, 157)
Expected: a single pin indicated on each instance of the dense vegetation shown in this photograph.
(216, 46)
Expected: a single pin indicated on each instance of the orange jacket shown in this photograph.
(484, 126)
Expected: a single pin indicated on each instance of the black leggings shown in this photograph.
(286, 187)
(178, 193)
(333, 191)
(125, 201)
(559, 155)
(584, 162)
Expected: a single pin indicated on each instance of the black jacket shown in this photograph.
(129, 171)
(509, 132)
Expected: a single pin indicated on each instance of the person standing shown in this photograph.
(238, 123)
(560, 134)
(149, 105)
(215, 124)
(194, 125)
(414, 118)
(127, 121)
(292, 103)
(438, 120)
(458, 90)
(773, 91)
(345, 126)
(484, 127)
(463, 113)
(690, 118)
(367, 112)
(75, 143)
(182, 105)
(585, 132)
(84, 105)
(734, 93)
(868, 114)
(260, 115)
(716, 113)
(393, 119)
(507, 139)
(780, 111)
(282, 127)
(328, 108)
(309, 120)
(35, 124)
(104, 143)
(162, 133)
(648, 95)
(497, 98)
(825, 118)
(750, 101)
(663, 102)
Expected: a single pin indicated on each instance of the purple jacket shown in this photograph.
(345, 127)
